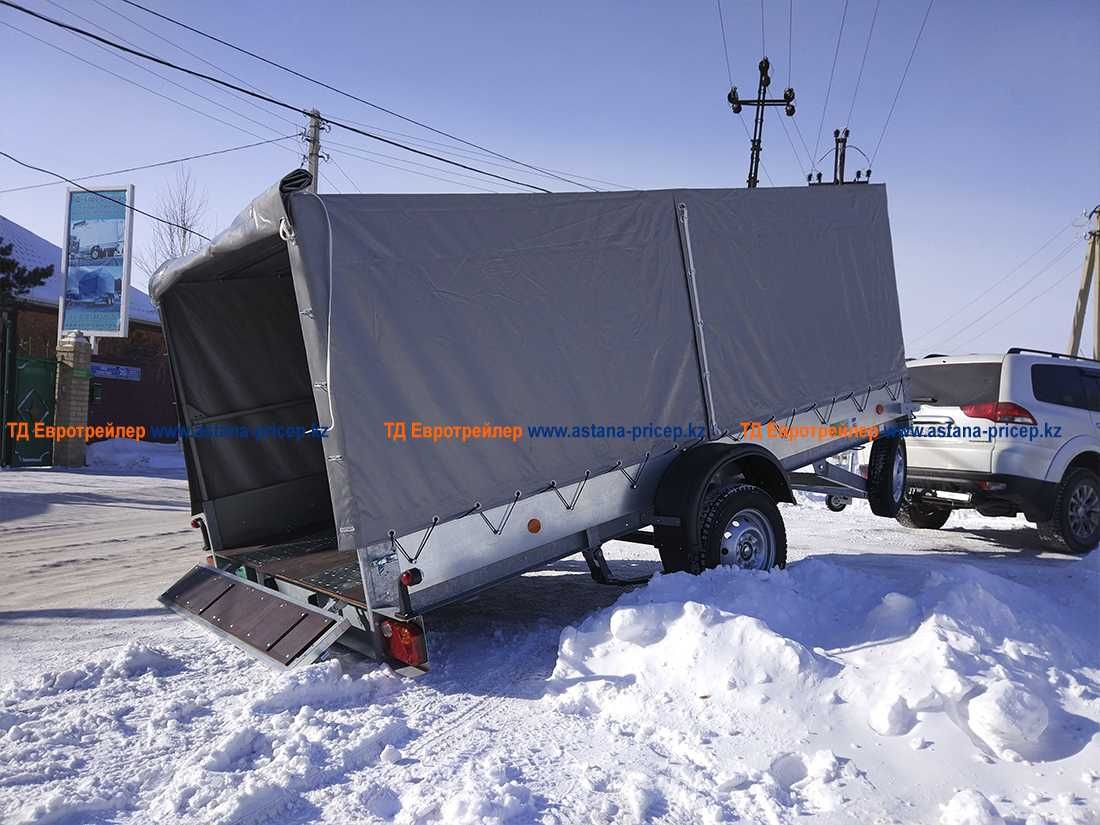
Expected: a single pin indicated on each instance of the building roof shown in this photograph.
(33, 251)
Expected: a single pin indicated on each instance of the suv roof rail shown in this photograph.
(1019, 350)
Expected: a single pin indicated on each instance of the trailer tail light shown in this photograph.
(404, 641)
(1001, 412)
(412, 577)
(196, 523)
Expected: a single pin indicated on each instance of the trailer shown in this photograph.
(489, 383)
(97, 239)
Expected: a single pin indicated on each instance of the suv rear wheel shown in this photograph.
(921, 516)
(1075, 525)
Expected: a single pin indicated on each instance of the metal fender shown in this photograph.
(1077, 446)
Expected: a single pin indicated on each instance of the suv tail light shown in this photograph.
(1002, 412)
(404, 641)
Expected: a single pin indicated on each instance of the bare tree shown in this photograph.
(180, 203)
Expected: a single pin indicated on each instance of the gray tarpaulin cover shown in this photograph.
(564, 309)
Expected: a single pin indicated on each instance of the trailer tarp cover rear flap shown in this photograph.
(572, 310)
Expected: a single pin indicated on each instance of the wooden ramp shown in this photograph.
(281, 631)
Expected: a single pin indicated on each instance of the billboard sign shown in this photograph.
(95, 261)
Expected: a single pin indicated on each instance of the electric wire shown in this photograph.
(259, 95)
(829, 87)
(145, 88)
(963, 307)
(166, 79)
(132, 208)
(349, 95)
(1032, 300)
(196, 56)
(763, 43)
(862, 63)
(480, 154)
(904, 74)
(1065, 251)
(349, 150)
(151, 165)
(729, 73)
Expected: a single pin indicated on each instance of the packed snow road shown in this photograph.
(886, 676)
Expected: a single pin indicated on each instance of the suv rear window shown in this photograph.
(952, 385)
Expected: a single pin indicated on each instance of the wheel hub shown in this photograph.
(1084, 511)
(748, 541)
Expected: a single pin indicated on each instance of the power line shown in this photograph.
(1076, 268)
(198, 57)
(862, 63)
(725, 46)
(348, 95)
(480, 154)
(994, 285)
(145, 88)
(481, 157)
(260, 95)
(904, 74)
(105, 197)
(797, 157)
(178, 85)
(367, 155)
(729, 73)
(151, 165)
(829, 87)
(763, 43)
(790, 40)
(1014, 292)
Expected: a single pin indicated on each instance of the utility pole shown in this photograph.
(314, 139)
(1090, 273)
(840, 152)
(758, 121)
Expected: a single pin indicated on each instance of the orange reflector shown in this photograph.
(534, 525)
(404, 641)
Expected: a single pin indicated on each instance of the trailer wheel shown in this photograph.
(743, 528)
(886, 473)
(837, 503)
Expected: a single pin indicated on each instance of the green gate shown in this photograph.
(29, 399)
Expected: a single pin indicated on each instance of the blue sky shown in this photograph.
(993, 149)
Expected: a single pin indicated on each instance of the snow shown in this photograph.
(124, 453)
(886, 675)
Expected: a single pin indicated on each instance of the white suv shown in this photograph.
(1007, 434)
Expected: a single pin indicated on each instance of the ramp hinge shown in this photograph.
(347, 529)
(335, 458)
(307, 312)
(321, 385)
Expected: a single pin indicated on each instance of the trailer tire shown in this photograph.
(743, 528)
(886, 476)
(95, 252)
(922, 517)
(837, 503)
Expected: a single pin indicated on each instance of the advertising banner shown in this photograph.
(95, 261)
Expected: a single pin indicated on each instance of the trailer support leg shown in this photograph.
(601, 573)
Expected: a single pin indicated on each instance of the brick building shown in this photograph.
(130, 378)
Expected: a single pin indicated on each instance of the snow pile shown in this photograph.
(969, 663)
(181, 735)
(126, 454)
